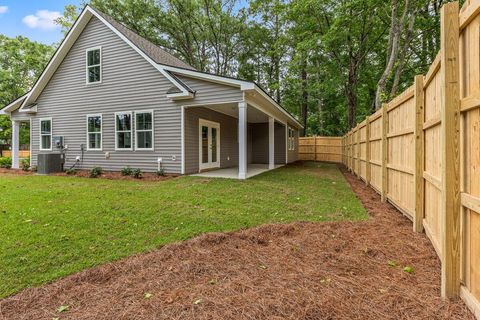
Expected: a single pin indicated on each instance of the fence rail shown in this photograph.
(22, 154)
(421, 152)
(327, 149)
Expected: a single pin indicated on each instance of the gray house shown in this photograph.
(118, 100)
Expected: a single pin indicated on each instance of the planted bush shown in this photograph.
(161, 172)
(6, 162)
(95, 172)
(71, 171)
(137, 173)
(127, 171)
(25, 164)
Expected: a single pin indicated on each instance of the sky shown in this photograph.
(33, 18)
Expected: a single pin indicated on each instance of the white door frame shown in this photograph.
(209, 125)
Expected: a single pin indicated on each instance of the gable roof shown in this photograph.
(161, 60)
(156, 53)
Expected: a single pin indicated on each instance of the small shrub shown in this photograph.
(160, 173)
(137, 173)
(71, 171)
(34, 168)
(25, 164)
(95, 172)
(6, 162)
(127, 171)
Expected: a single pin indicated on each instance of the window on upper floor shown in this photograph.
(94, 65)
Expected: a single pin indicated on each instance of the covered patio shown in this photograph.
(232, 173)
(234, 139)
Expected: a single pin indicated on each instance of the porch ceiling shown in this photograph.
(231, 109)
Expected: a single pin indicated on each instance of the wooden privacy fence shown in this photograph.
(22, 154)
(421, 152)
(320, 149)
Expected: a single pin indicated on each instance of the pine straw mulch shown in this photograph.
(117, 175)
(296, 271)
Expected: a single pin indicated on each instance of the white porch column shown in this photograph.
(286, 143)
(242, 140)
(15, 144)
(271, 143)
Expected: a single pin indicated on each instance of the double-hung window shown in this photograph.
(94, 132)
(144, 130)
(123, 131)
(291, 139)
(94, 65)
(46, 134)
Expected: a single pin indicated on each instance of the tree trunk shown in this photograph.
(351, 93)
(392, 53)
(304, 103)
(403, 55)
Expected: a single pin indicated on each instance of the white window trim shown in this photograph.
(87, 66)
(40, 133)
(101, 132)
(136, 131)
(132, 122)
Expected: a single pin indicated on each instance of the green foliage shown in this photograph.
(408, 269)
(96, 172)
(71, 171)
(127, 171)
(25, 164)
(34, 169)
(81, 222)
(160, 172)
(21, 62)
(5, 162)
(137, 173)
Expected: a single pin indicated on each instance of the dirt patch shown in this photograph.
(297, 271)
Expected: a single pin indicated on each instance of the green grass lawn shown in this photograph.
(52, 226)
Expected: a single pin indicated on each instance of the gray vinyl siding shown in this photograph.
(260, 146)
(210, 92)
(228, 137)
(129, 83)
(280, 144)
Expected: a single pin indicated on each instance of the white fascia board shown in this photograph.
(270, 99)
(244, 85)
(59, 55)
(31, 110)
(13, 106)
(184, 94)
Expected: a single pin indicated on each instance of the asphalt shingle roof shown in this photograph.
(156, 53)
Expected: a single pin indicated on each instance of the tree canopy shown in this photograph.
(329, 62)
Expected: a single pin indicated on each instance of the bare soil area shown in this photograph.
(377, 269)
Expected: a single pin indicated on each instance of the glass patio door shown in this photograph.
(209, 144)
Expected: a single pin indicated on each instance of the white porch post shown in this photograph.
(15, 144)
(271, 143)
(286, 143)
(242, 140)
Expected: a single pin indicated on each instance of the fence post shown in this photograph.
(450, 116)
(315, 148)
(419, 155)
(357, 153)
(384, 152)
(367, 151)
